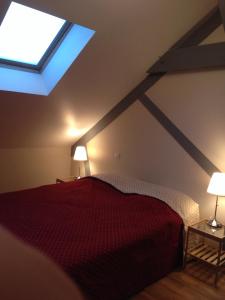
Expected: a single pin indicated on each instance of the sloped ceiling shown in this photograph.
(130, 36)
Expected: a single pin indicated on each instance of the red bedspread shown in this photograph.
(113, 244)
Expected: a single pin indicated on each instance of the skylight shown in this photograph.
(26, 34)
(37, 49)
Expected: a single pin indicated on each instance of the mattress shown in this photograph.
(111, 243)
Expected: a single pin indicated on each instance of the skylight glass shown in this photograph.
(26, 34)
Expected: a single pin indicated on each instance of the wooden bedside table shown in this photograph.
(68, 179)
(206, 244)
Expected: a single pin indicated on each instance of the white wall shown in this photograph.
(23, 168)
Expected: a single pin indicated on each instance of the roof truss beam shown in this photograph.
(195, 36)
(192, 58)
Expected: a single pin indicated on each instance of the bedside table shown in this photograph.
(206, 244)
(68, 179)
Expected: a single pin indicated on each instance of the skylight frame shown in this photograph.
(46, 56)
(41, 75)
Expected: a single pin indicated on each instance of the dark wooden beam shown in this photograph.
(222, 11)
(176, 133)
(196, 35)
(192, 58)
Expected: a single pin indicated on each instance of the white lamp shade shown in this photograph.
(217, 184)
(80, 153)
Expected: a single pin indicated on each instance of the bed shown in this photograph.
(113, 236)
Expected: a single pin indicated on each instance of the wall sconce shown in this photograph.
(80, 155)
(216, 187)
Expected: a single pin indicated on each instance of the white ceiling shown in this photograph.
(130, 36)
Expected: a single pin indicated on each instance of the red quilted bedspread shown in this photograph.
(112, 244)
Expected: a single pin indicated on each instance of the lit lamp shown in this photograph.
(80, 155)
(216, 187)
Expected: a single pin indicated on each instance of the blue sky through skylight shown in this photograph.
(26, 34)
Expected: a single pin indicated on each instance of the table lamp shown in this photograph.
(80, 155)
(216, 187)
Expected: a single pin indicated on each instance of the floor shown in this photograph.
(195, 282)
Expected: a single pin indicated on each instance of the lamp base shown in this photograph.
(214, 223)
